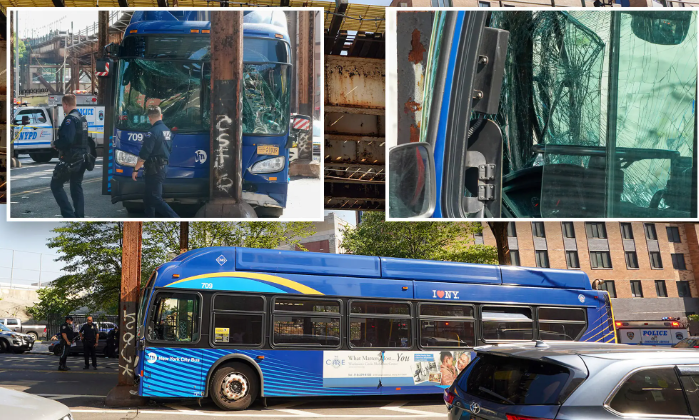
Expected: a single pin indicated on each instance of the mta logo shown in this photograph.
(151, 357)
(27, 135)
(200, 156)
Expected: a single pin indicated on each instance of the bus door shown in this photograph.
(172, 364)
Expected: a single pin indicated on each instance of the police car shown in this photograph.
(651, 333)
(15, 342)
(34, 129)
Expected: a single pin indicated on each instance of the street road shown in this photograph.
(84, 391)
(31, 196)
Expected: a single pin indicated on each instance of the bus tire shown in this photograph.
(41, 157)
(234, 387)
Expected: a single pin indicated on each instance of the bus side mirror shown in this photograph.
(662, 28)
(112, 49)
(412, 188)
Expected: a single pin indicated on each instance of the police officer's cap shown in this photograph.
(69, 318)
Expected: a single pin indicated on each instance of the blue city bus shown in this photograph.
(236, 324)
(164, 60)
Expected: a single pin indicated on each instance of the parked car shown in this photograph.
(78, 348)
(14, 341)
(688, 343)
(557, 380)
(27, 327)
(21, 405)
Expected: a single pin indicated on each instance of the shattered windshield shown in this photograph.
(266, 101)
(176, 87)
(181, 88)
(582, 86)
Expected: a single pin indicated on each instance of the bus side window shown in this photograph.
(175, 318)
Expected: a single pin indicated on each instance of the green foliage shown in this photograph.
(52, 300)
(92, 254)
(22, 50)
(693, 317)
(444, 241)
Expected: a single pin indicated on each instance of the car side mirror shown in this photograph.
(662, 28)
(412, 187)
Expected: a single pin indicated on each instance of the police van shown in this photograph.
(34, 129)
(651, 333)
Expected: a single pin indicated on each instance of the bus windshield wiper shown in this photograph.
(495, 394)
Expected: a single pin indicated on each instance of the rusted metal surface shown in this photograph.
(355, 147)
(355, 82)
(414, 31)
(3, 123)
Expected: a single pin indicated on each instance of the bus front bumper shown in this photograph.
(189, 189)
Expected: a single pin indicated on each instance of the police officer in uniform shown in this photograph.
(112, 342)
(66, 336)
(72, 146)
(89, 335)
(154, 156)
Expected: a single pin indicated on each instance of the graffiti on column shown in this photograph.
(223, 179)
(127, 368)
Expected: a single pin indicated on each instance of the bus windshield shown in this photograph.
(176, 87)
(181, 85)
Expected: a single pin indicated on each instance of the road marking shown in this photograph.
(250, 415)
(62, 396)
(396, 406)
(44, 189)
(72, 371)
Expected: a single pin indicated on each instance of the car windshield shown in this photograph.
(4, 328)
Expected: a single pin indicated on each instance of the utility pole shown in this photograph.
(226, 174)
(17, 54)
(120, 395)
(184, 237)
(102, 41)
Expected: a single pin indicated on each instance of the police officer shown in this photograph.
(154, 156)
(89, 335)
(112, 342)
(66, 337)
(72, 146)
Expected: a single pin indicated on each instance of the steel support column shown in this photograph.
(226, 174)
(120, 396)
(102, 40)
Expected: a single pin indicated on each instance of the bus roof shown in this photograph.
(266, 25)
(225, 259)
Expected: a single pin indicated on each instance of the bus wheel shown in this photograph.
(234, 387)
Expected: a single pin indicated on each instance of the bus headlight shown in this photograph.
(267, 166)
(125, 159)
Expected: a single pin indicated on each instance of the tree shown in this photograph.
(499, 230)
(443, 241)
(52, 301)
(92, 254)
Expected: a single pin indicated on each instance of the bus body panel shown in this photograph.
(304, 262)
(175, 370)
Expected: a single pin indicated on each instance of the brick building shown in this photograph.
(327, 237)
(646, 267)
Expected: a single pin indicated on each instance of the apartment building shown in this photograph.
(646, 267)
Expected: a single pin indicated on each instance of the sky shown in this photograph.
(41, 22)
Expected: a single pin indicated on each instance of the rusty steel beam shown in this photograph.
(46, 84)
(355, 82)
(305, 63)
(59, 3)
(184, 237)
(335, 24)
(102, 41)
(339, 43)
(226, 173)
(123, 3)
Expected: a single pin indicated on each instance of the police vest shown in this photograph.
(79, 143)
